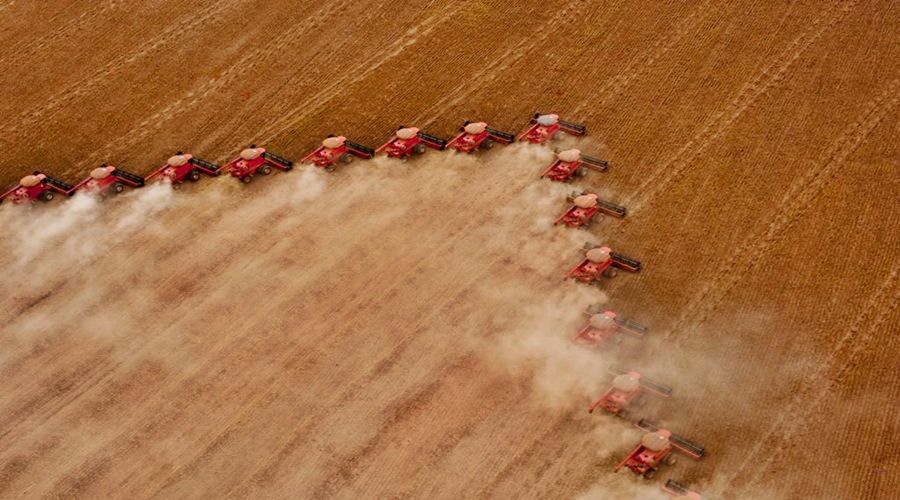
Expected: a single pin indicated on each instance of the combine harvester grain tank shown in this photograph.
(543, 128)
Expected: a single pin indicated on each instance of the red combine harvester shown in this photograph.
(183, 167)
(254, 160)
(409, 141)
(585, 208)
(600, 262)
(549, 127)
(571, 162)
(37, 186)
(337, 149)
(107, 180)
(627, 389)
(605, 324)
(680, 492)
(478, 136)
(656, 449)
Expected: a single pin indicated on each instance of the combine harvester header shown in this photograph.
(549, 127)
(336, 149)
(37, 186)
(408, 141)
(680, 492)
(476, 136)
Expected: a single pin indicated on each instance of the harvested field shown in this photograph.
(401, 329)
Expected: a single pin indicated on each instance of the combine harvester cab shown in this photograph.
(254, 160)
(571, 163)
(409, 141)
(549, 127)
(107, 180)
(336, 149)
(627, 390)
(607, 325)
(475, 136)
(601, 262)
(585, 208)
(183, 167)
(656, 448)
(37, 186)
(679, 491)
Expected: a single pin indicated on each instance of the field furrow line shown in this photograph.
(827, 374)
(660, 179)
(798, 199)
(14, 131)
(510, 56)
(645, 60)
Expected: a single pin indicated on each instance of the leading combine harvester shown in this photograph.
(108, 180)
(549, 127)
(680, 492)
(476, 136)
(409, 141)
(585, 208)
(37, 186)
(600, 262)
(656, 449)
(183, 167)
(254, 160)
(603, 325)
(570, 163)
(627, 390)
(336, 149)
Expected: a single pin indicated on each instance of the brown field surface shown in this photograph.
(401, 329)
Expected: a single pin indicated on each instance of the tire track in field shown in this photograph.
(356, 74)
(660, 179)
(796, 202)
(27, 48)
(191, 98)
(827, 374)
(646, 60)
(19, 127)
(502, 63)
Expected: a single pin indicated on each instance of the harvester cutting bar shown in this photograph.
(573, 128)
(206, 167)
(59, 185)
(623, 262)
(611, 208)
(359, 150)
(433, 141)
(676, 488)
(129, 178)
(594, 163)
(277, 159)
(630, 326)
(499, 135)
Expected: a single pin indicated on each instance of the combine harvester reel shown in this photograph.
(680, 492)
(183, 167)
(549, 127)
(408, 141)
(585, 208)
(107, 180)
(570, 163)
(476, 136)
(254, 160)
(601, 262)
(627, 390)
(37, 186)
(656, 449)
(336, 149)
(603, 325)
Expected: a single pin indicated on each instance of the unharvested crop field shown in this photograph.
(401, 329)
